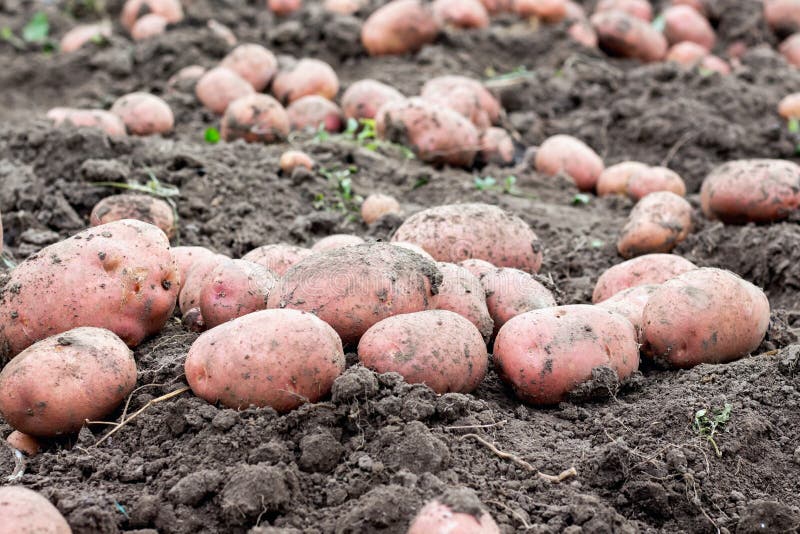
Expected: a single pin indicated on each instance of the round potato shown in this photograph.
(82, 34)
(255, 118)
(106, 121)
(197, 277)
(23, 511)
(315, 112)
(647, 269)
(621, 34)
(235, 288)
(284, 7)
(466, 96)
(461, 292)
(683, 23)
(630, 304)
(399, 27)
(377, 205)
(460, 13)
(614, 179)
(279, 257)
(306, 77)
(783, 16)
(24, 443)
(511, 292)
(657, 223)
(292, 159)
(149, 26)
(218, 87)
(653, 179)
(568, 155)
(438, 518)
(335, 241)
(252, 62)
(171, 10)
(363, 99)
(144, 114)
(790, 49)
(144, 208)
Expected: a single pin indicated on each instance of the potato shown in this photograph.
(336, 241)
(148, 27)
(217, 88)
(377, 205)
(545, 354)
(279, 257)
(284, 7)
(52, 387)
(641, 9)
(222, 32)
(655, 179)
(704, 316)
(624, 35)
(413, 248)
(614, 179)
(495, 7)
(644, 270)
(783, 16)
(24, 443)
(88, 118)
(235, 288)
(452, 360)
(23, 511)
(363, 99)
(436, 134)
(467, 96)
(755, 190)
(277, 358)
(343, 7)
(133, 9)
(461, 292)
(352, 288)
(583, 33)
(682, 23)
(460, 13)
(252, 62)
(315, 112)
(197, 277)
(687, 53)
(84, 33)
(630, 304)
(697, 5)
(304, 78)
(657, 223)
(568, 155)
(144, 114)
(438, 518)
(141, 207)
(399, 27)
(790, 49)
(477, 267)
(497, 147)
(575, 11)
(547, 10)
(789, 106)
(120, 276)
(186, 257)
(458, 232)
(715, 64)
(255, 118)
(291, 159)
(511, 292)
(186, 78)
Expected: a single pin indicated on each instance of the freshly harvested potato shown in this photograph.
(134, 9)
(789, 106)
(55, 385)
(783, 16)
(621, 34)
(704, 316)
(24, 443)
(149, 26)
(135, 206)
(218, 87)
(682, 23)
(335, 241)
(546, 10)
(23, 511)
(697, 5)
(655, 179)
(186, 78)
(377, 205)
(715, 64)
(313, 112)
(399, 27)
(460, 13)
(291, 159)
(641, 9)
(754, 190)
(222, 32)
(186, 257)
(544, 354)
(279, 257)
(120, 276)
(511, 292)
(89, 118)
(790, 49)
(144, 114)
(691, 54)
(304, 78)
(477, 267)
(277, 358)
(630, 304)
(413, 248)
(252, 62)
(235, 288)
(657, 223)
(84, 33)
(363, 99)
(458, 232)
(614, 180)
(644, 270)
(571, 156)
(343, 7)
(255, 118)
(495, 7)
(197, 277)
(452, 360)
(461, 292)
(284, 7)
(352, 288)
(438, 518)
(467, 96)
(497, 147)
(582, 32)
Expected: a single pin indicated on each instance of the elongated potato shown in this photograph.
(571, 156)
(304, 78)
(467, 96)
(655, 179)
(461, 292)
(144, 208)
(621, 34)
(24, 511)
(647, 269)
(399, 27)
(293, 159)
(630, 304)
(335, 241)
(657, 223)
(278, 257)
(186, 257)
(82, 34)
(106, 121)
(218, 87)
(144, 114)
(497, 147)
(614, 179)
(704, 316)
(235, 288)
(255, 118)
(55, 385)
(683, 23)
(511, 292)
(363, 99)
(252, 62)
(454, 360)
(546, 10)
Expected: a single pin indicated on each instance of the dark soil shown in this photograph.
(367, 459)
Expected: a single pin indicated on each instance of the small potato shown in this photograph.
(144, 114)
(23, 511)
(292, 159)
(135, 206)
(149, 26)
(790, 48)
(217, 88)
(24, 443)
(186, 257)
(461, 292)
(363, 99)
(343, 7)
(477, 267)
(255, 118)
(614, 179)
(134, 9)
(545, 354)
(335, 241)
(277, 358)
(682, 23)
(313, 112)
(756, 190)
(197, 277)
(624, 35)
(641, 9)
(235, 288)
(438, 518)
(458, 232)
(657, 223)
(89, 118)
(644, 270)
(377, 205)
(467, 96)
(460, 13)
(782, 16)
(252, 62)
(284, 7)
(571, 156)
(704, 316)
(187, 77)
(399, 27)
(789, 106)
(497, 147)
(453, 360)
(82, 34)
(630, 304)
(687, 53)
(278, 258)
(655, 179)
(304, 78)
(511, 292)
(55, 385)
(582, 32)
(546, 10)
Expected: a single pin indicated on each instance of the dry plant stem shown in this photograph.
(525, 524)
(19, 465)
(470, 427)
(569, 473)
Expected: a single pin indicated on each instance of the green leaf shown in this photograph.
(352, 127)
(659, 23)
(793, 125)
(482, 184)
(37, 29)
(211, 135)
(581, 199)
(422, 181)
(596, 243)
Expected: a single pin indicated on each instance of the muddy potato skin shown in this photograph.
(438, 518)
(120, 276)
(220, 86)
(477, 267)
(364, 98)
(106, 121)
(457, 232)
(252, 62)
(621, 34)
(197, 277)
(683, 23)
(24, 443)
(235, 288)
(460, 13)
(278, 257)
(23, 511)
(452, 360)
(53, 386)
(544, 354)
(313, 111)
(82, 34)
(706, 315)
(144, 114)
(133, 9)
(277, 358)
(305, 78)
(630, 304)
(647, 269)
(140, 207)
(511, 292)
(335, 241)
(461, 292)
(467, 96)
(255, 118)
(377, 205)
(571, 156)
(657, 223)
(399, 27)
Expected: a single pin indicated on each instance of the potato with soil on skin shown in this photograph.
(789, 107)
(413, 248)
(52, 387)
(291, 159)
(24, 443)
(790, 49)
(377, 205)
(497, 147)
(683, 23)
(624, 35)
(614, 179)
(218, 87)
(363, 99)
(546, 10)
(461, 292)
(465, 14)
(144, 114)
(253, 62)
(197, 277)
(657, 223)
(641, 9)
(255, 118)
(304, 78)
(644, 270)
(477, 267)
(630, 304)
(149, 26)
(756, 190)
(511, 292)
(235, 288)
(457, 232)
(453, 359)
(82, 34)
(782, 16)
(438, 518)
(399, 27)
(186, 257)
(279, 257)
(23, 511)
(171, 10)
(120, 276)
(89, 118)
(704, 316)
(284, 7)
(545, 354)
(141, 207)
(568, 155)
(352, 288)
(315, 112)
(335, 241)
(467, 96)
(654, 179)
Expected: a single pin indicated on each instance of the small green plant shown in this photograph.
(484, 184)
(508, 186)
(36, 31)
(581, 199)
(363, 133)
(211, 135)
(706, 423)
(344, 199)
(421, 181)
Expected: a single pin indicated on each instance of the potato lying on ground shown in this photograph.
(438, 517)
(641, 9)
(55, 385)
(790, 49)
(284, 7)
(148, 27)
(657, 223)
(789, 106)
(545, 354)
(704, 316)
(335, 241)
(144, 114)
(304, 78)
(546, 10)
(120, 276)
(655, 179)
(252, 62)
(141, 207)
(495, 7)
(697, 5)
(89, 118)
(343, 7)
(235, 288)
(461, 292)
(217, 88)
(197, 277)
(313, 112)
(460, 13)
(511, 292)
(399, 27)
(24, 443)
(497, 147)
(571, 156)
(682, 23)
(24, 511)
(291, 159)
(783, 16)
(755, 190)
(477, 267)
(467, 96)
(624, 35)
(186, 257)
(255, 118)
(614, 179)
(186, 78)
(691, 54)
(458, 232)
(377, 205)
(82, 34)
(582, 32)
(171, 10)
(363, 99)
(222, 32)
(630, 304)
(647, 269)
(352, 288)
(279, 257)
(452, 360)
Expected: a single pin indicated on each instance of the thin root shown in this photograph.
(470, 427)
(564, 475)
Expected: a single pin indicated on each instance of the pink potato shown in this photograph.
(352, 288)
(575, 11)
(363, 99)
(278, 258)
(284, 7)
(572, 157)
(141, 207)
(222, 32)
(413, 248)
(644, 270)
(335, 241)
(790, 49)
(23, 511)
(546, 10)
(186, 257)
(343, 7)
(630, 304)
(120, 276)
(306, 77)
(657, 223)
(399, 27)
(715, 64)
(255, 118)
(148, 27)
(789, 106)
(697, 5)
(235, 288)
(82, 34)
(186, 77)
(171, 10)
(682, 23)
(655, 179)
(461, 292)
(497, 147)
(624, 35)
(511, 292)
(704, 316)
(292, 159)
(252, 62)
(452, 360)
(477, 267)
(52, 387)
(315, 112)
(438, 518)
(495, 7)
(106, 121)
(217, 88)
(197, 277)
(458, 232)
(783, 16)
(614, 179)
(24, 443)
(687, 53)
(460, 13)
(277, 358)
(377, 205)
(582, 32)
(144, 114)
(641, 9)
(545, 354)
(467, 96)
